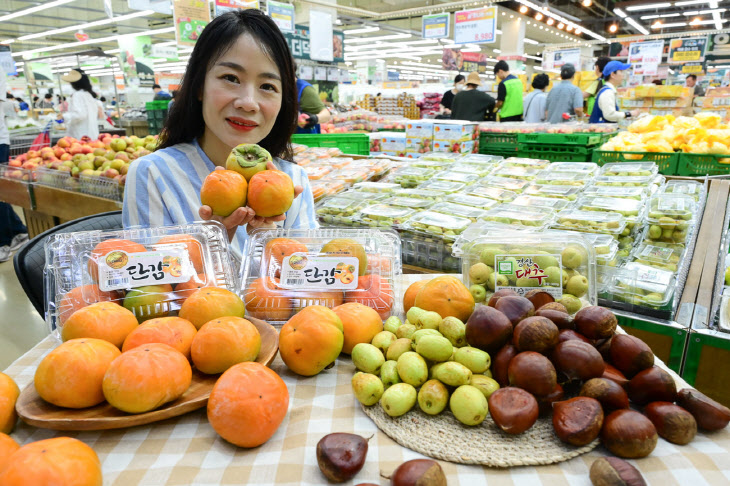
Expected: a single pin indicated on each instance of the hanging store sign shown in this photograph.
(7, 64)
(687, 50)
(320, 36)
(299, 43)
(134, 60)
(556, 59)
(693, 68)
(282, 14)
(223, 6)
(191, 17)
(436, 26)
(645, 57)
(456, 60)
(475, 26)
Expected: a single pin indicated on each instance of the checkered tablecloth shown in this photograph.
(186, 450)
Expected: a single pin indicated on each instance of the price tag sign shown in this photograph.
(436, 26)
(304, 271)
(121, 270)
(282, 14)
(691, 49)
(477, 26)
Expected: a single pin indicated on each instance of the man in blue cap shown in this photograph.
(605, 110)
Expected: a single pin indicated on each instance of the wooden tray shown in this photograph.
(35, 411)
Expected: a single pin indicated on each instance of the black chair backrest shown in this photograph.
(30, 260)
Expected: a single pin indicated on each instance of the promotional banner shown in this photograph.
(42, 71)
(645, 57)
(436, 26)
(556, 59)
(191, 17)
(456, 60)
(223, 6)
(299, 43)
(135, 60)
(320, 36)
(693, 68)
(7, 64)
(475, 26)
(687, 50)
(164, 52)
(282, 14)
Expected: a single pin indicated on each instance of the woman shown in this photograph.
(448, 98)
(81, 119)
(535, 102)
(239, 88)
(590, 93)
(605, 110)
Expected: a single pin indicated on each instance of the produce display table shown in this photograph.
(186, 450)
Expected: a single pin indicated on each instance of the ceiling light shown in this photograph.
(648, 6)
(530, 41)
(706, 22)
(569, 28)
(716, 17)
(619, 12)
(97, 23)
(689, 2)
(37, 8)
(613, 28)
(578, 31)
(541, 27)
(561, 26)
(524, 9)
(636, 25)
(538, 16)
(382, 37)
(663, 16)
(587, 3)
(656, 25)
(670, 25)
(363, 30)
(511, 16)
(704, 12)
(550, 21)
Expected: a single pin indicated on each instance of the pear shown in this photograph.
(475, 359)
(433, 397)
(367, 388)
(435, 348)
(451, 373)
(398, 399)
(389, 373)
(412, 368)
(468, 405)
(454, 330)
(367, 358)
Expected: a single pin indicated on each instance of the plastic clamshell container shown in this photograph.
(384, 216)
(326, 187)
(665, 209)
(473, 201)
(689, 188)
(631, 209)
(438, 165)
(362, 196)
(427, 194)
(541, 202)
(274, 289)
(509, 183)
(588, 169)
(496, 193)
(605, 247)
(643, 285)
(139, 273)
(590, 222)
(447, 187)
(556, 263)
(341, 210)
(480, 158)
(409, 177)
(340, 162)
(375, 167)
(408, 202)
(437, 224)
(351, 176)
(376, 187)
(440, 157)
(629, 169)
(523, 162)
(638, 193)
(480, 169)
(316, 172)
(523, 173)
(624, 181)
(428, 252)
(563, 177)
(456, 176)
(459, 210)
(569, 193)
(665, 257)
(539, 218)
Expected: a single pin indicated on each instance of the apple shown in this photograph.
(116, 164)
(87, 172)
(75, 149)
(64, 143)
(130, 149)
(15, 162)
(138, 141)
(124, 169)
(55, 165)
(78, 158)
(86, 165)
(98, 161)
(122, 156)
(99, 151)
(66, 156)
(75, 171)
(150, 146)
(32, 154)
(65, 168)
(85, 149)
(110, 173)
(118, 145)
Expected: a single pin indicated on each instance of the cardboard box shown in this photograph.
(420, 129)
(455, 131)
(387, 143)
(465, 147)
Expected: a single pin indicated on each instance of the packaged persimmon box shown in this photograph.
(563, 265)
(284, 271)
(150, 271)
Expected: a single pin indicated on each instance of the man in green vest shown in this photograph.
(509, 94)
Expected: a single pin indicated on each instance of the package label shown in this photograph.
(657, 253)
(308, 271)
(528, 272)
(671, 204)
(649, 278)
(121, 270)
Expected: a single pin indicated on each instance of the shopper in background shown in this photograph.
(23, 105)
(114, 101)
(606, 106)
(241, 89)
(472, 104)
(63, 105)
(691, 82)
(535, 101)
(159, 93)
(312, 111)
(565, 98)
(509, 94)
(14, 101)
(82, 116)
(448, 98)
(590, 94)
(46, 103)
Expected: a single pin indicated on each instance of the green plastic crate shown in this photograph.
(489, 149)
(501, 142)
(667, 162)
(584, 139)
(157, 105)
(555, 153)
(697, 165)
(353, 144)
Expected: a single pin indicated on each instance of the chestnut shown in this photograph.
(614, 374)
(709, 414)
(569, 335)
(539, 297)
(651, 385)
(418, 472)
(500, 364)
(535, 333)
(577, 360)
(628, 434)
(546, 402)
(604, 347)
(532, 372)
(513, 409)
(577, 421)
(488, 329)
(561, 319)
(340, 456)
(554, 306)
(630, 354)
(672, 422)
(595, 322)
(515, 308)
(499, 294)
(611, 395)
(612, 471)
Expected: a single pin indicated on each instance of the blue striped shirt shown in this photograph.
(163, 189)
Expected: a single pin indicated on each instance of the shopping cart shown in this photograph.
(32, 138)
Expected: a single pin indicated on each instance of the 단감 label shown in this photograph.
(121, 270)
(303, 271)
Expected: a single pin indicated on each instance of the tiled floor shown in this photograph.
(21, 327)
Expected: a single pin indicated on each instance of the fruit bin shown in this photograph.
(498, 141)
(101, 187)
(353, 144)
(555, 152)
(582, 139)
(667, 162)
(86, 267)
(698, 165)
(284, 271)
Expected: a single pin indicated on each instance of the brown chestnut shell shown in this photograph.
(499, 294)
(628, 434)
(630, 354)
(500, 364)
(561, 319)
(595, 322)
(539, 297)
(532, 372)
(614, 374)
(577, 360)
(612, 471)
(578, 421)
(709, 414)
(515, 308)
(651, 385)
(513, 409)
(535, 333)
(672, 422)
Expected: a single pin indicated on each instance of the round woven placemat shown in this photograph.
(443, 437)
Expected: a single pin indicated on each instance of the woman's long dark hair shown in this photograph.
(185, 121)
(83, 84)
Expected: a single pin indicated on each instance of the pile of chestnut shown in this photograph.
(541, 355)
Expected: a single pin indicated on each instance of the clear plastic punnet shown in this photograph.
(385, 216)
(563, 265)
(473, 201)
(437, 225)
(588, 169)
(316, 172)
(564, 177)
(437, 165)
(363, 196)
(376, 187)
(537, 218)
(460, 210)
(631, 209)
(542, 202)
(479, 158)
(408, 202)
(569, 193)
(488, 228)
(509, 183)
(480, 169)
(447, 187)
(441, 157)
(516, 172)
(350, 176)
(689, 188)
(665, 257)
(427, 194)
(456, 176)
(150, 271)
(285, 271)
(643, 285)
(590, 222)
(527, 163)
(679, 208)
(341, 210)
(409, 177)
(496, 193)
(638, 193)
(624, 181)
(326, 187)
(629, 169)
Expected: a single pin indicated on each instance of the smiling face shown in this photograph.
(241, 98)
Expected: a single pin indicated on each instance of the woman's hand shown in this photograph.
(245, 215)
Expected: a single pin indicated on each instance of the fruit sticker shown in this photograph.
(121, 270)
(116, 259)
(300, 271)
(523, 273)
